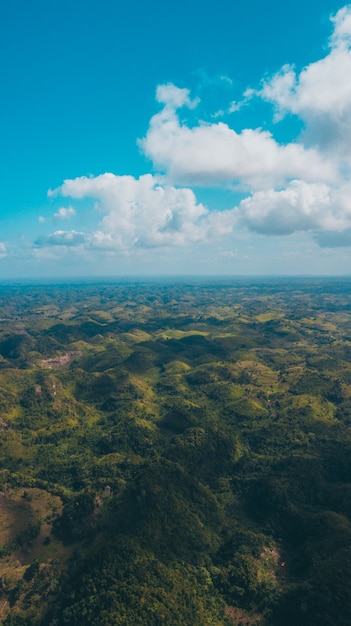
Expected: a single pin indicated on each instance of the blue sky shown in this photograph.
(175, 138)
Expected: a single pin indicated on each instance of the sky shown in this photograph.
(172, 138)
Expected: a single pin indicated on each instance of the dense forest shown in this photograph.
(176, 453)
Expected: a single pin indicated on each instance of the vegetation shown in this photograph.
(176, 453)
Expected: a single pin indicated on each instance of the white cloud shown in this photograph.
(299, 187)
(64, 214)
(234, 106)
(3, 250)
(320, 94)
(142, 213)
(61, 214)
(300, 206)
(137, 212)
(342, 30)
(215, 154)
(174, 97)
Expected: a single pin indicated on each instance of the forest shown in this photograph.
(176, 452)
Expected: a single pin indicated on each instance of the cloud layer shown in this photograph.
(301, 186)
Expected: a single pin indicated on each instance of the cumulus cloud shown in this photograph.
(321, 93)
(64, 214)
(142, 213)
(137, 212)
(61, 214)
(215, 154)
(341, 36)
(300, 206)
(174, 97)
(3, 250)
(301, 186)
